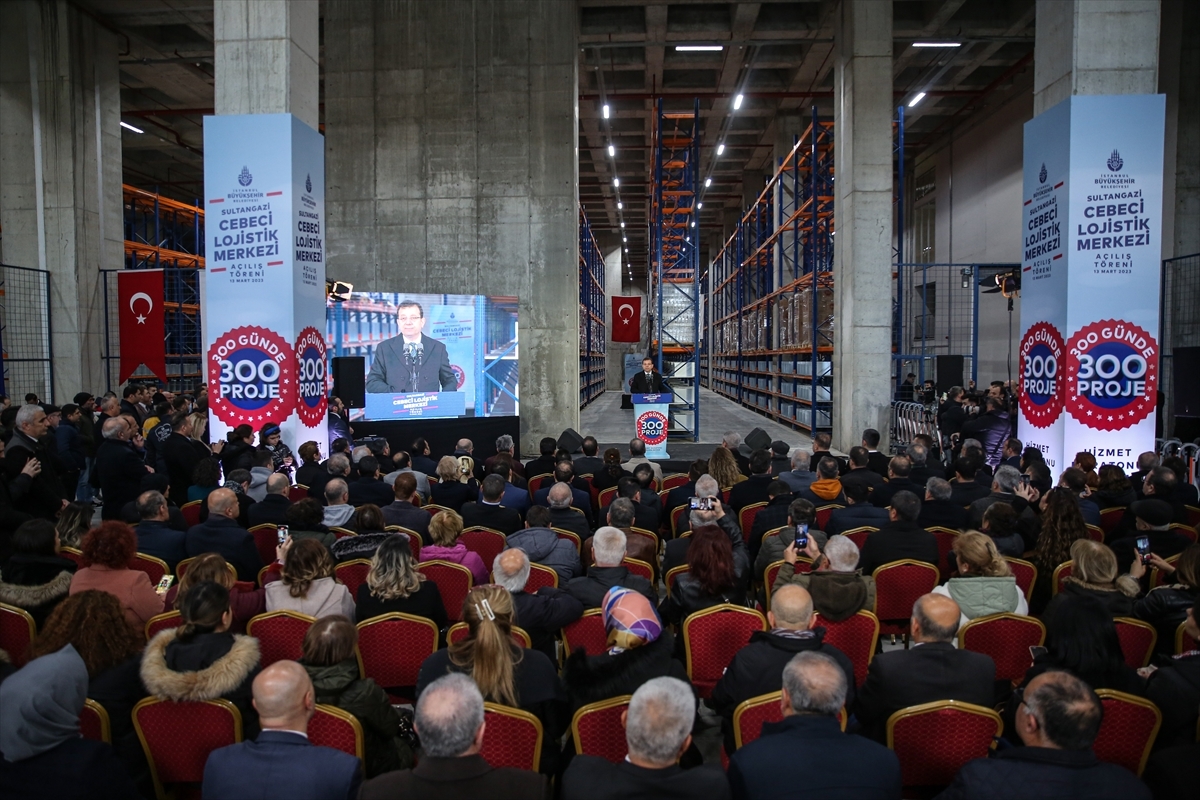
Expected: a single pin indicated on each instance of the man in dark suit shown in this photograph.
(771, 516)
(822, 441)
(272, 509)
(681, 495)
(649, 380)
(1004, 486)
(901, 538)
(221, 533)
(542, 613)
(449, 720)
(939, 510)
(118, 467)
(281, 761)
(563, 474)
(544, 464)
(421, 461)
(559, 498)
(807, 754)
(753, 489)
(658, 729)
(1012, 453)
(369, 488)
(918, 454)
(965, 489)
(899, 468)
(780, 462)
(1057, 720)
(589, 463)
(411, 362)
(645, 517)
(403, 511)
(488, 511)
(608, 553)
(155, 537)
(857, 513)
(513, 497)
(877, 462)
(1152, 520)
(860, 470)
(933, 669)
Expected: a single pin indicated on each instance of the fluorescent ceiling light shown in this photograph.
(616, 181)
(707, 182)
(622, 224)
(612, 150)
(625, 239)
(720, 148)
(604, 111)
(937, 44)
(127, 126)
(620, 205)
(699, 205)
(916, 99)
(737, 102)
(698, 48)
(693, 225)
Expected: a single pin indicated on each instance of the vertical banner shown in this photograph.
(140, 322)
(1091, 272)
(626, 319)
(264, 184)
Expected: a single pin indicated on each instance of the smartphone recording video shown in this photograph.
(700, 504)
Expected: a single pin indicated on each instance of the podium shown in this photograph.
(651, 420)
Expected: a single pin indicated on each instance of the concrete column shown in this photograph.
(452, 167)
(1181, 65)
(60, 191)
(1094, 47)
(863, 202)
(266, 57)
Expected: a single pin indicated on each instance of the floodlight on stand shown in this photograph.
(737, 102)
(338, 291)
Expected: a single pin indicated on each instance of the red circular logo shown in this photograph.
(312, 386)
(1041, 390)
(1112, 370)
(254, 373)
(652, 427)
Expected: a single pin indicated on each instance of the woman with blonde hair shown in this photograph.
(308, 585)
(985, 583)
(1094, 574)
(449, 491)
(504, 672)
(444, 529)
(724, 468)
(245, 599)
(394, 585)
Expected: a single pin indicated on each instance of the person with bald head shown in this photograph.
(931, 669)
(272, 509)
(281, 761)
(221, 533)
(757, 667)
(542, 614)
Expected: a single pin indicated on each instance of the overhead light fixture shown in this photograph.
(720, 148)
(937, 44)
(693, 225)
(604, 111)
(612, 150)
(616, 181)
(129, 127)
(698, 48)
(699, 205)
(625, 239)
(620, 205)
(737, 102)
(622, 224)
(707, 182)
(918, 97)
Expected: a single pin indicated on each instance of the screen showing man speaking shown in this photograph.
(430, 355)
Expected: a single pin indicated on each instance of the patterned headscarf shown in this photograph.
(629, 619)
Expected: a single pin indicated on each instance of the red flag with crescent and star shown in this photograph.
(140, 322)
(627, 319)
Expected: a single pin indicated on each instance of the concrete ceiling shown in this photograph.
(779, 55)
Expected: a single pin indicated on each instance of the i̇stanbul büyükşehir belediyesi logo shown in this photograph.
(245, 178)
(1042, 173)
(1114, 161)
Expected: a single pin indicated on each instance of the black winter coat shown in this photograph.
(1029, 773)
(1175, 688)
(592, 678)
(36, 584)
(1165, 607)
(120, 469)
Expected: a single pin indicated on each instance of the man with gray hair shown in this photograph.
(608, 551)
(1004, 490)
(542, 614)
(221, 533)
(938, 509)
(272, 509)
(449, 720)
(155, 537)
(675, 551)
(338, 511)
(46, 494)
(918, 454)
(838, 589)
(559, 498)
(119, 469)
(336, 466)
(819, 759)
(505, 446)
(800, 477)
(658, 728)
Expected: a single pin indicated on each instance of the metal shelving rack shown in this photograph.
(676, 273)
(592, 331)
(772, 292)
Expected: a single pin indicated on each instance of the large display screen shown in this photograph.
(429, 355)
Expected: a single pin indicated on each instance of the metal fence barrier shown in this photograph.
(25, 332)
(908, 421)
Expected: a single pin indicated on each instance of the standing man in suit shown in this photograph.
(282, 762)
(411, 362)
(877, 462)
(934, 669)
(649, 380)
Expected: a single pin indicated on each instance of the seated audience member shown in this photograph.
(488, 512)
(505, 673)
(306, 520)
(821, 444)
(202, 659)
(858, 513)
(771, 516)
(1114, 489)
(1094, 574)
(608, 553)
(394, 585)
(449, 491)
(544, 463)
(799, 475)
(589, 463)
(901, 538)
(449, 720)
(918, 454)
(107, 551)
(780, 462)
(1186, 492)
(307, 584)
(1165, 607)
(611, 473)
(1161, 484)
(445, 530)
(221, 533)
(1057, 720)
(336, 466)
(658, 730)
(680, 495)
(966, 489)
(44, 755)
(1061, 526)
(542, 614)
(330, 663)
(562, 515)
(369, 487)
(838, 589)
(828, 487)
(402, 463)
(622, 514)
(73, 523)
(246, 601)
(728, 466)
(369, 522)
(263, 468)
(641, 516)
(800, 512)
(807, 755)
(512, 496)
(310, 470)
(899, 469)
(1001, 525)
(155, 537)
(1152, 519)
(272, 508)
(151, 482)
(639, 648)
(757, 667)
(281, 761)
(206, 478)
(753, 489)
(35, 577)
(860, 471)
(933, 669)
(338, 510)
(637, 455)
(1075, 481)
(939, 510)
(403, 511)
(985, 583)
(1003, 490)
(1174, 686)
(580, 498)
(718, 573)
(543, 546)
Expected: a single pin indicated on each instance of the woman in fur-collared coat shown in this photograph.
(202, 660)
(36, 578)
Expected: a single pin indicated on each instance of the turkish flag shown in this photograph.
(627, 319)
(140, 322)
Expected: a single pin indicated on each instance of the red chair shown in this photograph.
(1007, 639)
(454, 582)
(154, 568)
(1061, 573)
(434, 509)
(749, 716)
(280, 635)
(586, 633)
(1193, 516)
(1095, 533)
(177, 737)
(570, 536)
(414, 539)
(1156, 574)
(341, 533)
(712, 637)
(1183, 530)
(536, 482)
(182, 567)
(1025, 573)
(73, 553)
(746, 518)
(673, 575)
(607, 496)
(94, 723)
(649, 537)
(191, 512)
(674, 481)
(934, 740)
(1184, 642)
(162, 622)
(823, 513)
(803, 565)
(859, 535)
(353, 574)
(678, 515)
(17, 630)
(513, 738)
(1110, 518)
(638, 567)
(857, 637)
(1137, 640)
(297, 493)
(596, 729)
(330, 726)
(460, 630)
(539, 576)
(266, 540)
(391, 649)
(486, 542)
(1127, 730)
(897, 587)
(945, 539)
